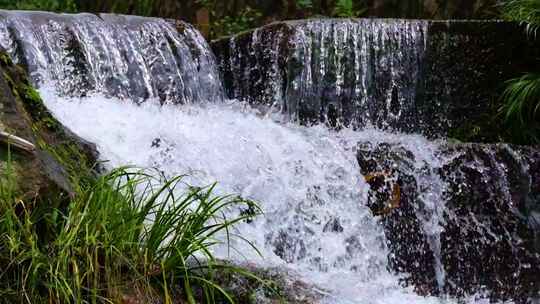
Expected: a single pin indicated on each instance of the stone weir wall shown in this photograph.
(471, 225)
(429, 77)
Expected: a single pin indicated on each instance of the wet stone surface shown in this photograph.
(489, 230)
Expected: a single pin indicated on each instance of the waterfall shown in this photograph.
(316, 221)
(131, 58)
(147, 91)
(352, 72)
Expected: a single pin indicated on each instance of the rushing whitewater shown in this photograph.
(306, 179)
(148, 93)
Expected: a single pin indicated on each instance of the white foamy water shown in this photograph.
(306, 179)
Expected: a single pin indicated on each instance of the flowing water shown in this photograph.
(131, 58)
(348, 72)
(118, 82)
(307, 180)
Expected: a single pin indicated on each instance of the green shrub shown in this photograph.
(42, 5)
(126, 234)
(229, 25)
(521, 108)
(345, 8)
(526, 11)
(304, 4)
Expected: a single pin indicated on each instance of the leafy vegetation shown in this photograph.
(304, 4)
(345, 8)
(521, 99)
(125, 235)
(45, 5)
(526, 11)
(248, 17)
(233, 16)
(228, 25)
(521, 108)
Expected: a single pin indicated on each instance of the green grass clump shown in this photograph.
(124, 235)
(525, 11)
(521, 108)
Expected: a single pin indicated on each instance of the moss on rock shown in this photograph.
(268, 285)
(60, 156)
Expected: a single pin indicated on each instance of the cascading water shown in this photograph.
(352, 72)
(307, 179)
(131, 58)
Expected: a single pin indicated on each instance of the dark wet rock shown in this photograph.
(493, 196)
(465, 72)
(490, 204)
(275, 285)
(156, 143)
(433, 77)
(59, 152)
(252, 64)
(409, 249)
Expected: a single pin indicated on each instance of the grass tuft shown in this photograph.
(521, 107)
(125, 235)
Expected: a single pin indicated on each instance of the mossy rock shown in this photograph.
(60, 156)
(269, 285)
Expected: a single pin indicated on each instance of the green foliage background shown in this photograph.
(526, 11)
(520, 107)
(232, 16)
(45, 5)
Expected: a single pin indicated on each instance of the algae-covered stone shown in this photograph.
(269, 286)
(59, 154)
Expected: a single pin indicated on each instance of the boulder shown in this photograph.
(273, 285)
(57, 154)
(473, 228)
